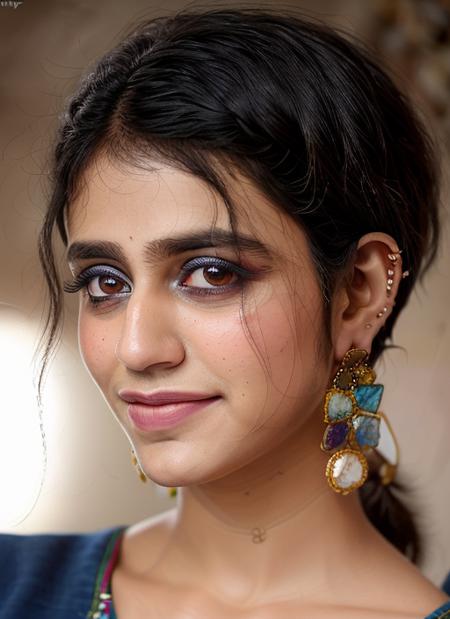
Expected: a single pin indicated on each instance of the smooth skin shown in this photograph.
(252, 458)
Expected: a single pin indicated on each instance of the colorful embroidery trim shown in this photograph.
(101, 603)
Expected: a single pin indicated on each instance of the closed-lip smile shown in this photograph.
(161, 410)
(159, 398)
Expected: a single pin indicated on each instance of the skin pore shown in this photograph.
(252, 458)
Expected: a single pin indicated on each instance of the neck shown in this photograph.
(255, 502)
(254, 533)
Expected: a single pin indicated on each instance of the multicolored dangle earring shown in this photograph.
(351, 407)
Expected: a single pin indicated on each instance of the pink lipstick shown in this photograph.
(163, 409)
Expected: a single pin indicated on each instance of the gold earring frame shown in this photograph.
(353, 425)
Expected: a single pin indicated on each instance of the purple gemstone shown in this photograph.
(335, 435)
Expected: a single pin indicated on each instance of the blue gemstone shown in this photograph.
(339, 406)
(368, 397)
(367, 430)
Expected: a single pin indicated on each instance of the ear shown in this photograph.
(363, 305)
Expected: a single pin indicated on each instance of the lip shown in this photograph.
(158, 398)
(147, 417)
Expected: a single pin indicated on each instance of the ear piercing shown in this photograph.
(393, 257)
(380, 314)
(390, 281)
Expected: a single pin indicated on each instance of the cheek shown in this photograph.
(266, 356)
(96, 348)
(267, 369)
(287, 345)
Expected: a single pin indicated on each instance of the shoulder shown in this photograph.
(144, 541)
(46, 572)
(415, 594)
(411, 594)
(407, 591)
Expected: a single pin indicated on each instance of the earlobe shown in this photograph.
(370, 293)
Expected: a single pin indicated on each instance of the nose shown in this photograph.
(148, 337)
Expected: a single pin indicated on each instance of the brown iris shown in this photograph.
(109, 284)
(217, 276)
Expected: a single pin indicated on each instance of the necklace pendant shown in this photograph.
(259, 535)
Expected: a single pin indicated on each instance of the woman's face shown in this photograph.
(252, 337)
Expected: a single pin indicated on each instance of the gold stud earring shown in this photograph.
(380, 314)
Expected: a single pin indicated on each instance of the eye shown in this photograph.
(104, 285)
(207, 275)
(203, 275)
(215, 276)
(101, 283)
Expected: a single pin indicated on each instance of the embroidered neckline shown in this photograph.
(443, 615)
(102, 601)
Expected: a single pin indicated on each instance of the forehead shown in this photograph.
(110, 193)
(117, 202)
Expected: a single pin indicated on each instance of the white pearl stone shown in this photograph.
(347, 470)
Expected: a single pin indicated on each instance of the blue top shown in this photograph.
(68, 576)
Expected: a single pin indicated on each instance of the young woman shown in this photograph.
(247, 201)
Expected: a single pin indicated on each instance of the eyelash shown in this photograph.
(83, 279)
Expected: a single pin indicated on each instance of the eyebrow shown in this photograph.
(161, 249)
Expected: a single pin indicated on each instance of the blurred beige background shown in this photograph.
(90, 482)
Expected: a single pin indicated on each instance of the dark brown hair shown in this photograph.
(304, 113)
